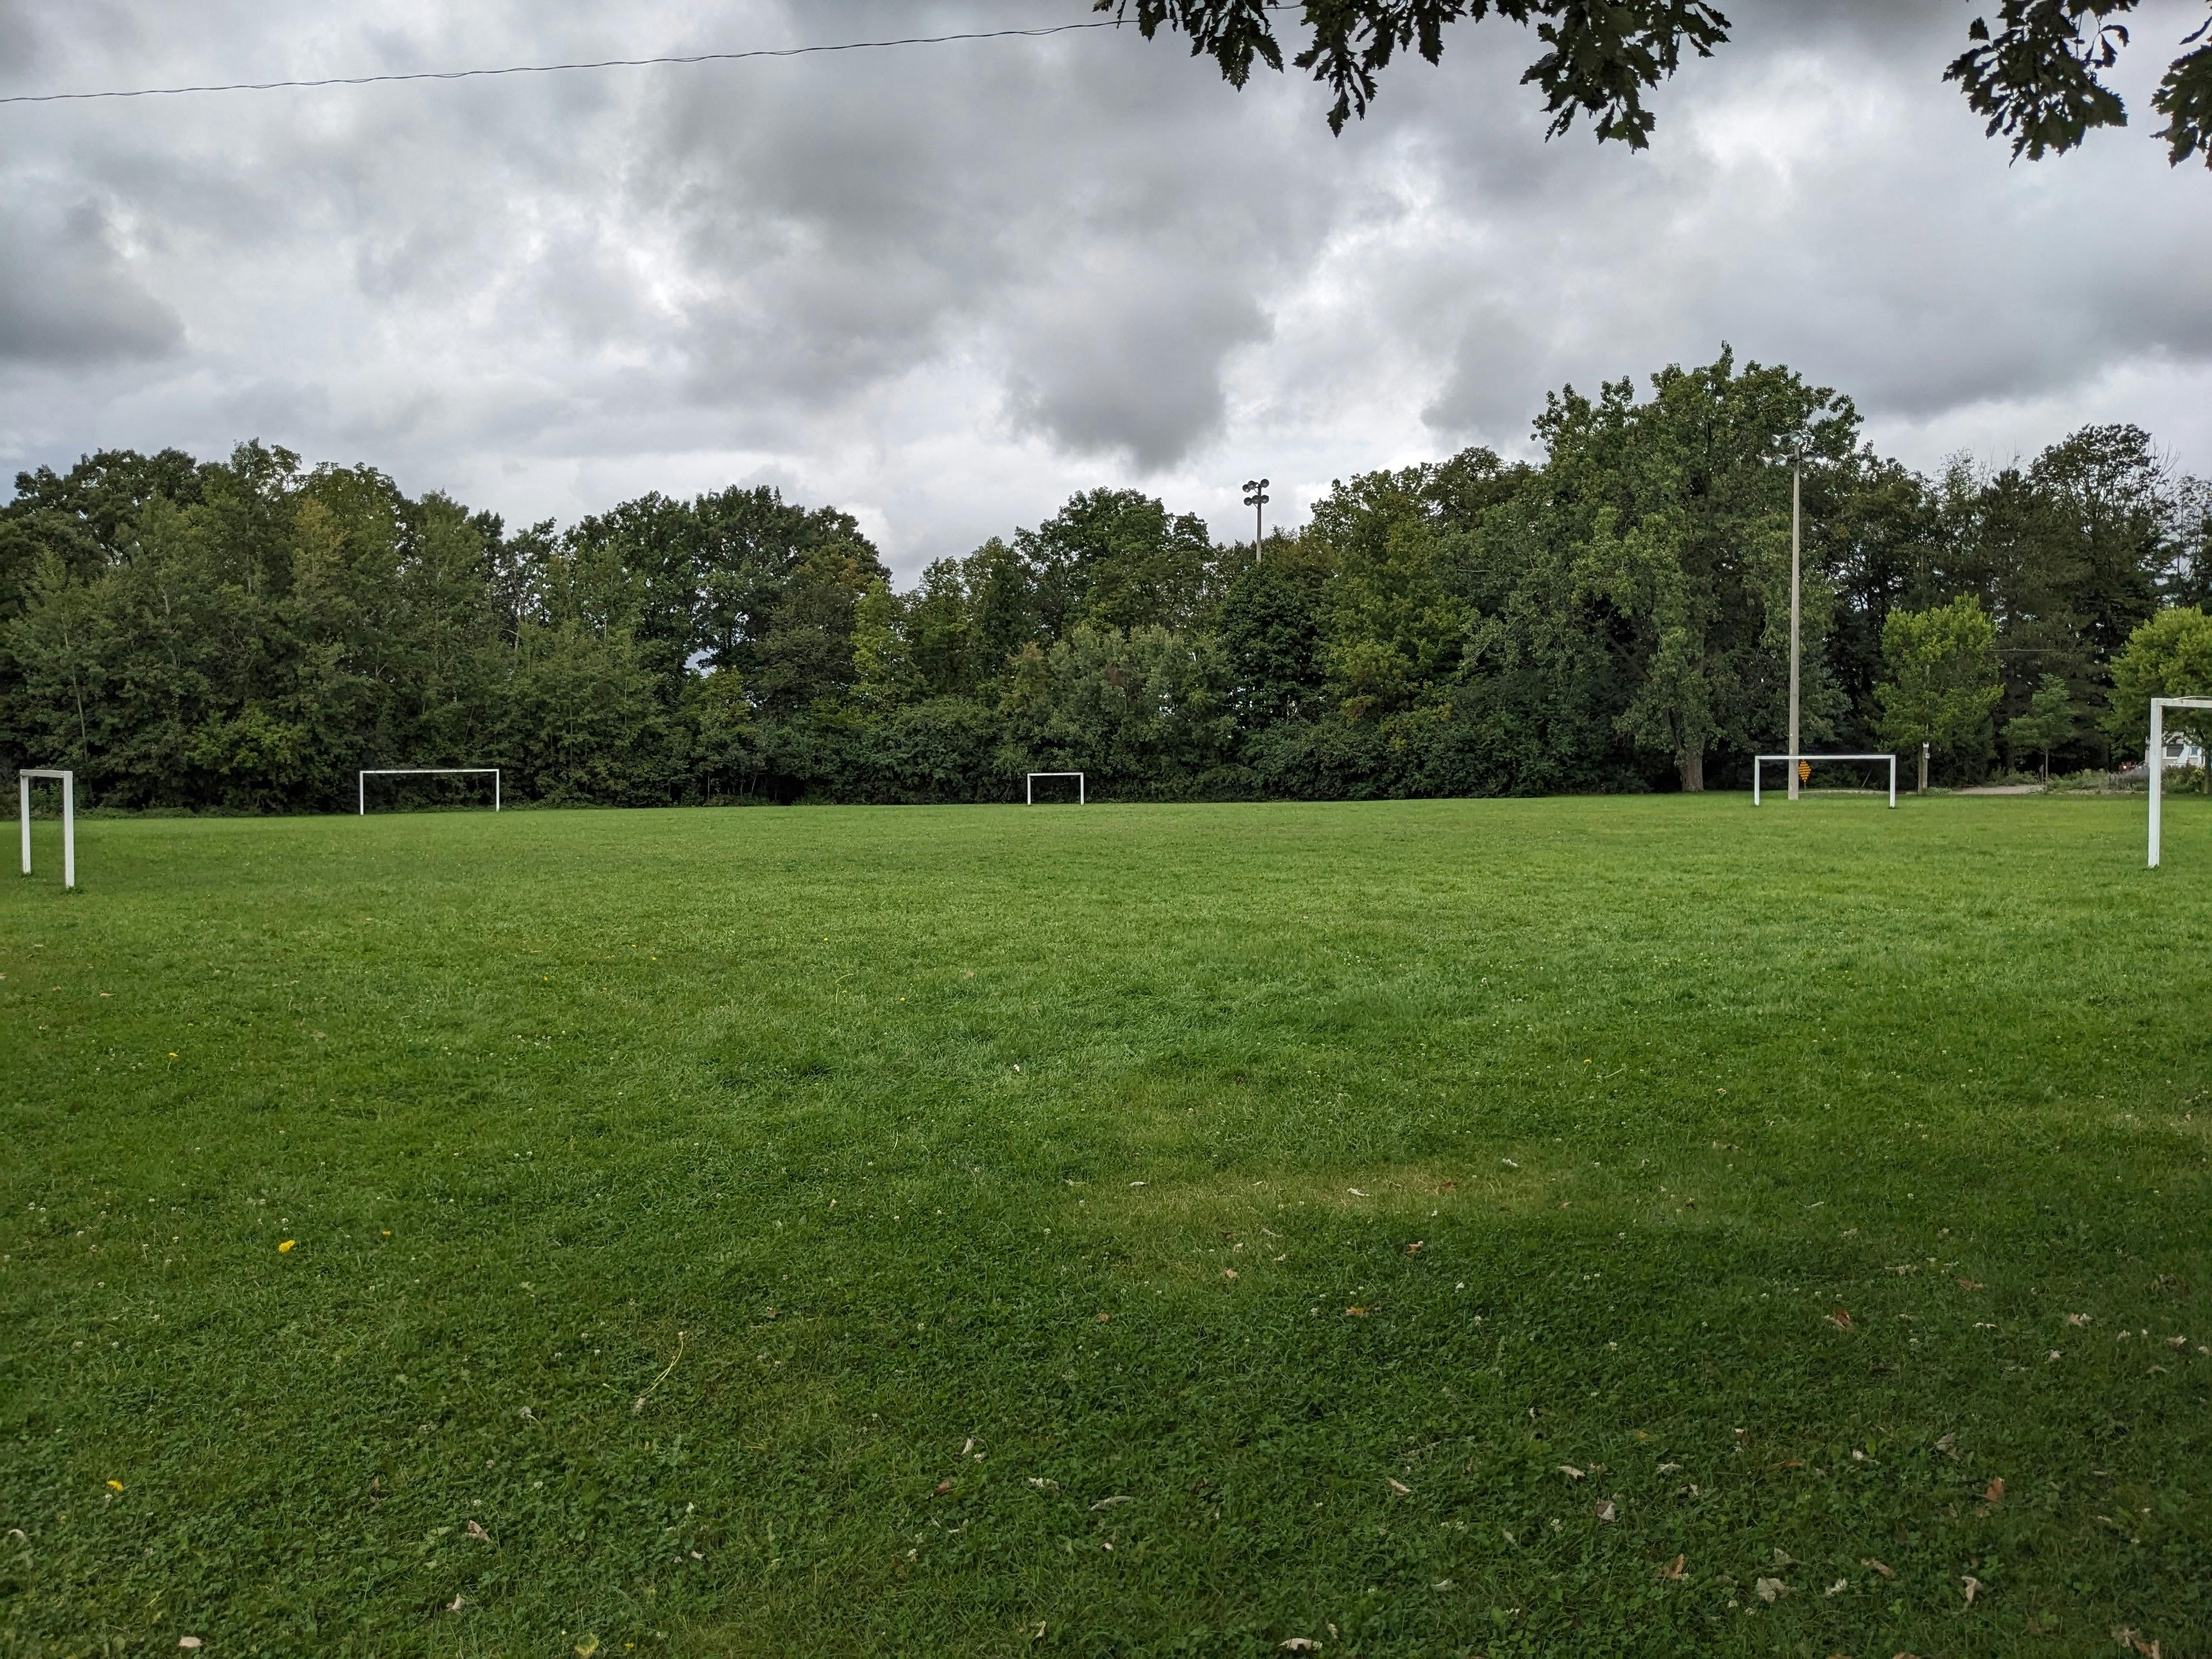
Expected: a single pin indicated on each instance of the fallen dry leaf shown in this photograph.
(476, 1531)
(453, 1606)
(1672, 1569)
(1840, 1319)
(1103, 1317)
(1771, 1589)
(2077, 1320)
(1995, 1494)
(1355, 1313)
(1109, 1502)
(1228, 1273)
(1971, 1285)
(1301, 1644)
(1946, 1444)
(1839, 1587)
(587, 1646)
(1571, 1472)
(188, 1641)
(1605, 1510)
(942, 1487)
(1414, 1249)
(1355, 1192)
(1399, 1487)
(1973, 1588)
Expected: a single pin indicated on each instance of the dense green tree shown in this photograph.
(1942, 683)
(244, 634)
(1677, 511)
(2169, 656)
(1004, 612)
(2049, 723)
(1117, 558)
(1269, 627)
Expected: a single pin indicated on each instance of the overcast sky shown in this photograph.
(944, 287)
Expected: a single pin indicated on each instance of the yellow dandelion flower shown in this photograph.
(286, 1245)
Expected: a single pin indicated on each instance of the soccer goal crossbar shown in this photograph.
(1029, 797)
(361, 798)
(1758, 765)
(2154, 759)
(68, 781)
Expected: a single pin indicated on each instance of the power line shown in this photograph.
(555, 69)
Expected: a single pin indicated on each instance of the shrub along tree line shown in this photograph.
(244, 634)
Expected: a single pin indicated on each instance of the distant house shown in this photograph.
(2182, 753)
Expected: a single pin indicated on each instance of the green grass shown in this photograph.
(1318, 1180)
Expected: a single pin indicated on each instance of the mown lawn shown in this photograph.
(1438, 1228)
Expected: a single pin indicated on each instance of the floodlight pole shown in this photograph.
(1256, 498)
(1796, 478)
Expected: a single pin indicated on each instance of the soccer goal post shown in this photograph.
(2154, 760)
(361, 783)
(1808, 762)
(1029, 797)
(24, 779)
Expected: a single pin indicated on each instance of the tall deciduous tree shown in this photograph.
(2169, 656)
(1678, 511)
(1942, 681)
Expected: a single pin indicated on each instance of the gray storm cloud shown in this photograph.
(70, 298)
(946, 286)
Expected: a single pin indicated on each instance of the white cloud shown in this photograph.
(945, 286)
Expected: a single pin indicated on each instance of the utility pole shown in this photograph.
(1256, 498)
(1797, 493)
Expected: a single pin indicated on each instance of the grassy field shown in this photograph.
(1574, 1226)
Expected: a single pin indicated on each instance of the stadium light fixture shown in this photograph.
(1256, 498)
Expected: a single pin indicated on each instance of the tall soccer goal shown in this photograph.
(1030, 795)
(361, 783)
(68, 781)
(2154, 760)
(1806, 762)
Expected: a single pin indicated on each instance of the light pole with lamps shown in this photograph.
(1256, 497)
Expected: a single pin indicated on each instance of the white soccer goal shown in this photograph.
(2154, 759)
(68, 781)
(426, 772)
(1029, 796)
(1759, 764)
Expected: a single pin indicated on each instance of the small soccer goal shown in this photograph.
(30, 775)
(2154, 761)
(361, 784)
(1029, 796)
(1807, 762)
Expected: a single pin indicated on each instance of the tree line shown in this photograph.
(243, 635)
